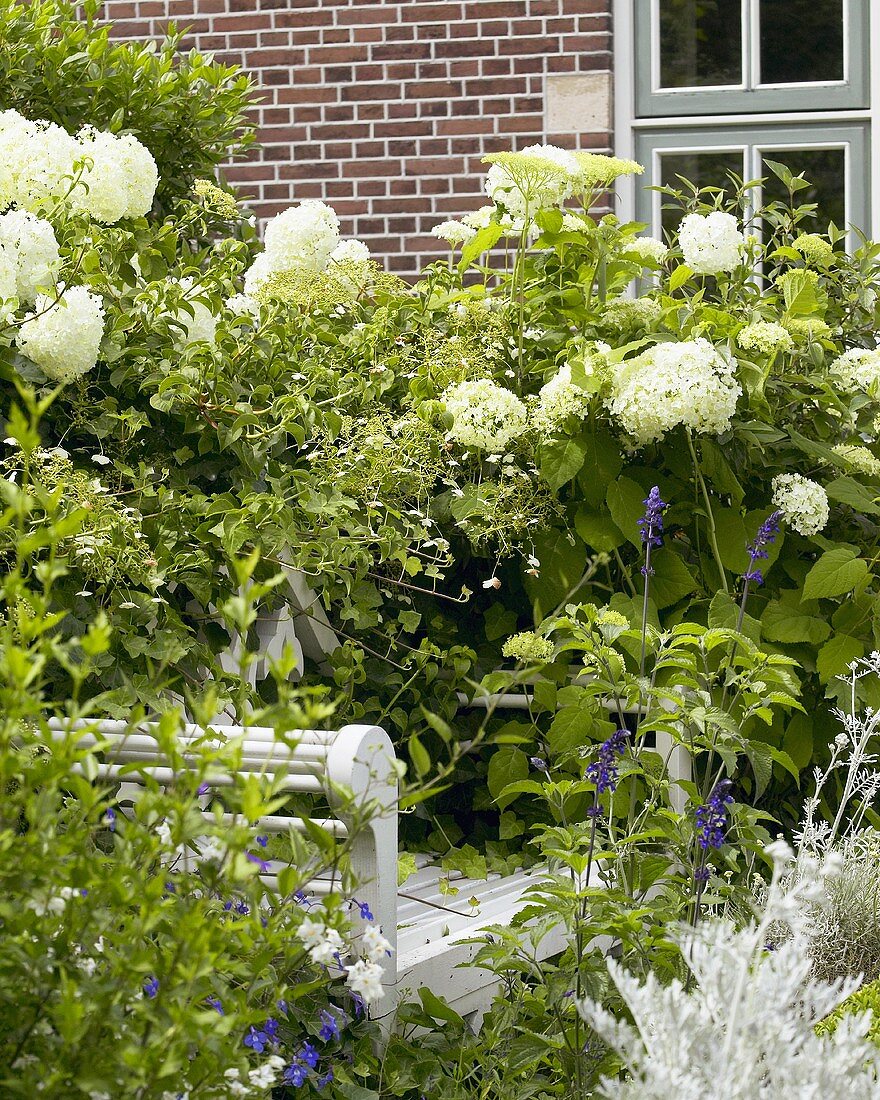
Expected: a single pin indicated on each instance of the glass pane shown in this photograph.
(708, 169)
(825, 170)
(700, 43)
(801, 40)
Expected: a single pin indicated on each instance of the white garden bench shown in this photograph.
(425, 926)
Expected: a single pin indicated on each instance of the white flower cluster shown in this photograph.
(261, 1077)
(201, 325)
(803, 503)
(242, 305)
(557, 400)
(484, 415)
(304, 239)
(325, 947)
(859, 369)
(103, 175)
(711, 243)
(689, 383)
(453, 232)
(747, 1019)
(648, 249)
(859, 458)
(764, 337)
(480, 218)
(63, 337)
(30, 249)
(520, 191)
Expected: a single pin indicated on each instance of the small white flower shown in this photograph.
(374, 944)
(326, 950)
(492, 582)
(365, 979)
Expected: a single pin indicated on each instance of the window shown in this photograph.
(727, 85)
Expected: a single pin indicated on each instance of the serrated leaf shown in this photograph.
(626, 503)
(598, 531)
(560, 460)
(672, 580)
(838, 571)
(782, 623)
(507, 766)
(835, 656)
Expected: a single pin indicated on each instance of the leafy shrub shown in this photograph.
(58, 62)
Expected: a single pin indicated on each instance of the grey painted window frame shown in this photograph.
(749, 96)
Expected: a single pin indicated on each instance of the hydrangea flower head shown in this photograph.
(539, 177)
(802, 503)
(484, 415)
(859, 458)
(814, 249)
(858, 369)
(453, 232)
(711, 243)
(30, 242)
(63, 337)
(648, 249)
(689, 383)
(765, 337)
(528, 647)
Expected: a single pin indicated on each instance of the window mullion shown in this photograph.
(751, 44)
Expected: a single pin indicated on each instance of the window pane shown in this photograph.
(708, 169)
(801, 40)
(700, 43)
(824, 168)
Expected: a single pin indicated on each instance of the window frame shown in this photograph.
(629, 124)
(749, 96)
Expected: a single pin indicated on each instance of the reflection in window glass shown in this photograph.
(708, 169)
(700, 43)
(801, 40)
(824, 168)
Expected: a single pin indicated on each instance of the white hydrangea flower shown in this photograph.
(505, 184)
(38, 161)
(485, 415)
(689, 383)
(859, 458)
(559, 399)
(63, 338)
(32, 242)
(260, 271)
(242, 305)
(8, 283)
(302, 237)
(365, 979)
(765, 337)
(351, 251)
(803, 503)
(453, 232)
(859, 369)
(711, 243)
(648, 249)
(374, 944)
(119, 176)
(479, 219)
(201, 327)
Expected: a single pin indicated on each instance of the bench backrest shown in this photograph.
(354, 767)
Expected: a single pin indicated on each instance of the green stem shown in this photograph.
(713, 540)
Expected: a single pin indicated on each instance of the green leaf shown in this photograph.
(602, 464)
(626, 503)
(672, 580)
(598, 531)
(784, 623)
(679, 277)
(499, 621)
(849, 491)
(485, 238)
(508, 765)
(798, 740)
(560, 460)
(835, 656)
(838, 571)
(419, 755)
(562, 556)
(438, 1009)
(406, 866)
(724, 612)
(571, 729)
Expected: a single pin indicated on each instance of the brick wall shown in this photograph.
(384, 109)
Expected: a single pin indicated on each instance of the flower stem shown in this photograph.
(713, 540)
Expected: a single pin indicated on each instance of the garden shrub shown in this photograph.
(59, 62)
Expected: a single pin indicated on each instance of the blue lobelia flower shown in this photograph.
(296, 1074)
(603, 770)
(215, 1003)
(712, 817)
(309, 1055)
(364, 909)
(256, 1039)
(151, 987)
(326, 1079)
(110, 819)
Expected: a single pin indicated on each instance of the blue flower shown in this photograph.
(215, 1003)
(260, 862)
(296, 1074)
(329, 1026)
(326, 1079)
(271, 1027)
(540, 764)
(767, 533)
(652, 523)
(262, 841)
(364, 909)
(257, 1040)
(309, 1055)
(203, 788)
(603, 770)
(110, 819)
(151, 987)
(712, 817)
(754, 575)
(281, 1005)
(701, 875)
